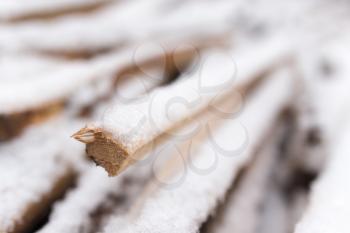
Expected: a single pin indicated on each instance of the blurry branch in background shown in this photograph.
(52, 84)
(15, 11)
(121, 24)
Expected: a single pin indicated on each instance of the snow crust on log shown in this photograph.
(50, 80)
(199, 90)
(186, 207)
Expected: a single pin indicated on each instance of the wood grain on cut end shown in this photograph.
(103, 150)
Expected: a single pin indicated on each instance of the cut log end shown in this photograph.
(103, 150)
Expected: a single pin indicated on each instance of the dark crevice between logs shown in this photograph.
(290, 180)
(37, 215)
(171, 73)
(220, 210)
(287, 180)
(296, 177)
(116, 203)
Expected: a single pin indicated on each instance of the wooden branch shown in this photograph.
(47, 157)
(96, 196)
(121, 137)
(121, 25)
(185, 207)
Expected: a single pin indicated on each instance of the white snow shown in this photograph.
(329, 207)
(124, 21)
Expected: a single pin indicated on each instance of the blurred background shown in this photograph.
(65, 63)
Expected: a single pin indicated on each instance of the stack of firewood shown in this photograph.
(174, 116)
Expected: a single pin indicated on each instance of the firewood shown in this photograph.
(122, 136)
(185, 207)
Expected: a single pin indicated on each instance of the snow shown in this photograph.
(42, 161)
